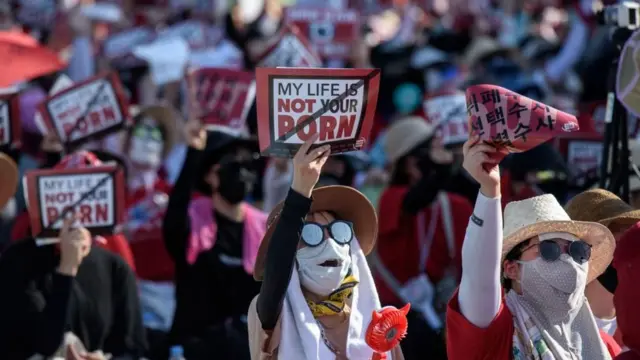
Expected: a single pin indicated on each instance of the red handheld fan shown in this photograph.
(387, 328)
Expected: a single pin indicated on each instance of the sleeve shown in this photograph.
(30, 319)
(81, 65)
(280, 258)
(480, 290)
(127, 336)
(262, 343)
(175, 227)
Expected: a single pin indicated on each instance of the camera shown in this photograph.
(624, 15)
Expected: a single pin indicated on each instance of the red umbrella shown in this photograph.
(24, 59)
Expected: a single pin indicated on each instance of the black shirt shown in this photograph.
(100, 305)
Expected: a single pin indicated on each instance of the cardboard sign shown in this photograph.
(87, 110)
(123, 43)
(96, 194)
(193, 32)
(220, 96)
(36, 13)
(507, 119)
(292, 50)
(294, 104)
(330, 31)
(449, 114)
(10, 130)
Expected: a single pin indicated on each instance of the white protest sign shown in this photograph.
(449, 113)
(193, 32)
(167, 58)
(123, 43)
(107, 12)
(291, 51)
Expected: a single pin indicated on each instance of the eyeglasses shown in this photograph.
(550, 250)
(340, 231)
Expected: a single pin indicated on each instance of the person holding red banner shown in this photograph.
(317, 295)
(213, 240)
(545, 259)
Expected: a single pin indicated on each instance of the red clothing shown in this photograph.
(629, 355)
(116, 243)
(492, 343)
(399, 246)
(626, 260)
(146, 241)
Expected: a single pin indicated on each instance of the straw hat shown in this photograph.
(602, 206)
(8, 179)
(543, 214)
(346, 202)
(165, 116)
(404, 135)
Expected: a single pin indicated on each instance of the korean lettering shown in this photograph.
(502, 139)
(476, 126)
(495, 116)
(472, 103)
(522, 131)
(547, 120)
(491, 96)
(517, 109)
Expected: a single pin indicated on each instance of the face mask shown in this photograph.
(236, 181)
(147, 153)
(557, 285)
(318, 279)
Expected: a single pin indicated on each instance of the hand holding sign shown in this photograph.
(195, 134)
(75, 244)
(481, 163)
(307, 165)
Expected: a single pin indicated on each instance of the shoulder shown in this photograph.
(118, 265)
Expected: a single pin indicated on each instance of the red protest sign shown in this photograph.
(449, 114)
(220, 96)
(291, 49)
(90, 109)
(10, 130)
(294, 104)
(330, 31)
(96, 194)
(507, 119)
(122, 43)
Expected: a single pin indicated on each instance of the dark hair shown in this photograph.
(399, 176)
(513, 255)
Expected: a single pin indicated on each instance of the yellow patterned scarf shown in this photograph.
(334, 304)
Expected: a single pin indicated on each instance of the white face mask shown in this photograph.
(147, 153)
(322, 280)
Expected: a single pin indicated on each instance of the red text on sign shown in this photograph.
(328, 127)
(93, 122)
(88, 214)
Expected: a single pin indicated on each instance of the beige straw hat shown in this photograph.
(405, 134)
(528, 218)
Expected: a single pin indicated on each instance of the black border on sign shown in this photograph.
(277, 148)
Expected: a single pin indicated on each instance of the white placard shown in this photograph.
(167, 58)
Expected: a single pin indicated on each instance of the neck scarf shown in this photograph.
(334, 303)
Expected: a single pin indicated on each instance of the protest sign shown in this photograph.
(10, 134)
(194, 32)
(582, 152)
(506, 119)
(330, 31)
(87, 110)
(167, 57)
(291, 49)
(96, 194)
(219, 97)
(449, 114)
(122, 43)
(294, 104)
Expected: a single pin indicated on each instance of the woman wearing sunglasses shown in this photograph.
(544, 260)
(317, 295)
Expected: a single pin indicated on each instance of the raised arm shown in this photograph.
(480, 293)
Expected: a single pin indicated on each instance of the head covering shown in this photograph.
(346, 202)
(8, 179)
(602, 206)
(404, 135)
(528, 218)
(165, 116)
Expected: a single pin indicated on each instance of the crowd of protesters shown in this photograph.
(525, 259)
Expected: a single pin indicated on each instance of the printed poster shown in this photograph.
(10, 130)
(584, 156)
(291, 50)
(96, 194)
(449, 114)
(294, 104)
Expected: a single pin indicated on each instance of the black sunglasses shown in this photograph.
(313, 233)
(550, 250)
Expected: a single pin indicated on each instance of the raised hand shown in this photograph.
(481, 162)
(307, 166)
(75, 244)
(195, 134)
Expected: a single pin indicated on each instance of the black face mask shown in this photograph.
(236, 181)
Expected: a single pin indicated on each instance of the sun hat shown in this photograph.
(8, 179)
(404, 135)
(346, 202)
(543, 214)
(602, 206)
(166, 118)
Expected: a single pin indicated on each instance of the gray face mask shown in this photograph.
(554, 286)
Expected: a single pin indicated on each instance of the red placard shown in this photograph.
(221, 96)
(294, 104)
(291, 49)
(87, 110)
(96, 194)
(10, 130)
(331, 32)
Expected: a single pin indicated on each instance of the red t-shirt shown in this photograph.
(494, 342)
(399, 245)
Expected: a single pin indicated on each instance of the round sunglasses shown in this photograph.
(313, 233)
(550, 250)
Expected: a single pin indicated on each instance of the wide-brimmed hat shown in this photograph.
(346, 203)
(482, 48)
(543, 214)
(8, 179)
(166, 117)
(602, 206)
(404, 135)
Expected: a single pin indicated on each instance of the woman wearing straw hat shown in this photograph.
(317, 295)
(546, 260)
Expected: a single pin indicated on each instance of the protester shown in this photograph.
(545, 259)
(606, 208)
(627, 263)
(213, 240)
(421, 233)
(71, 287)
(312, 265)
